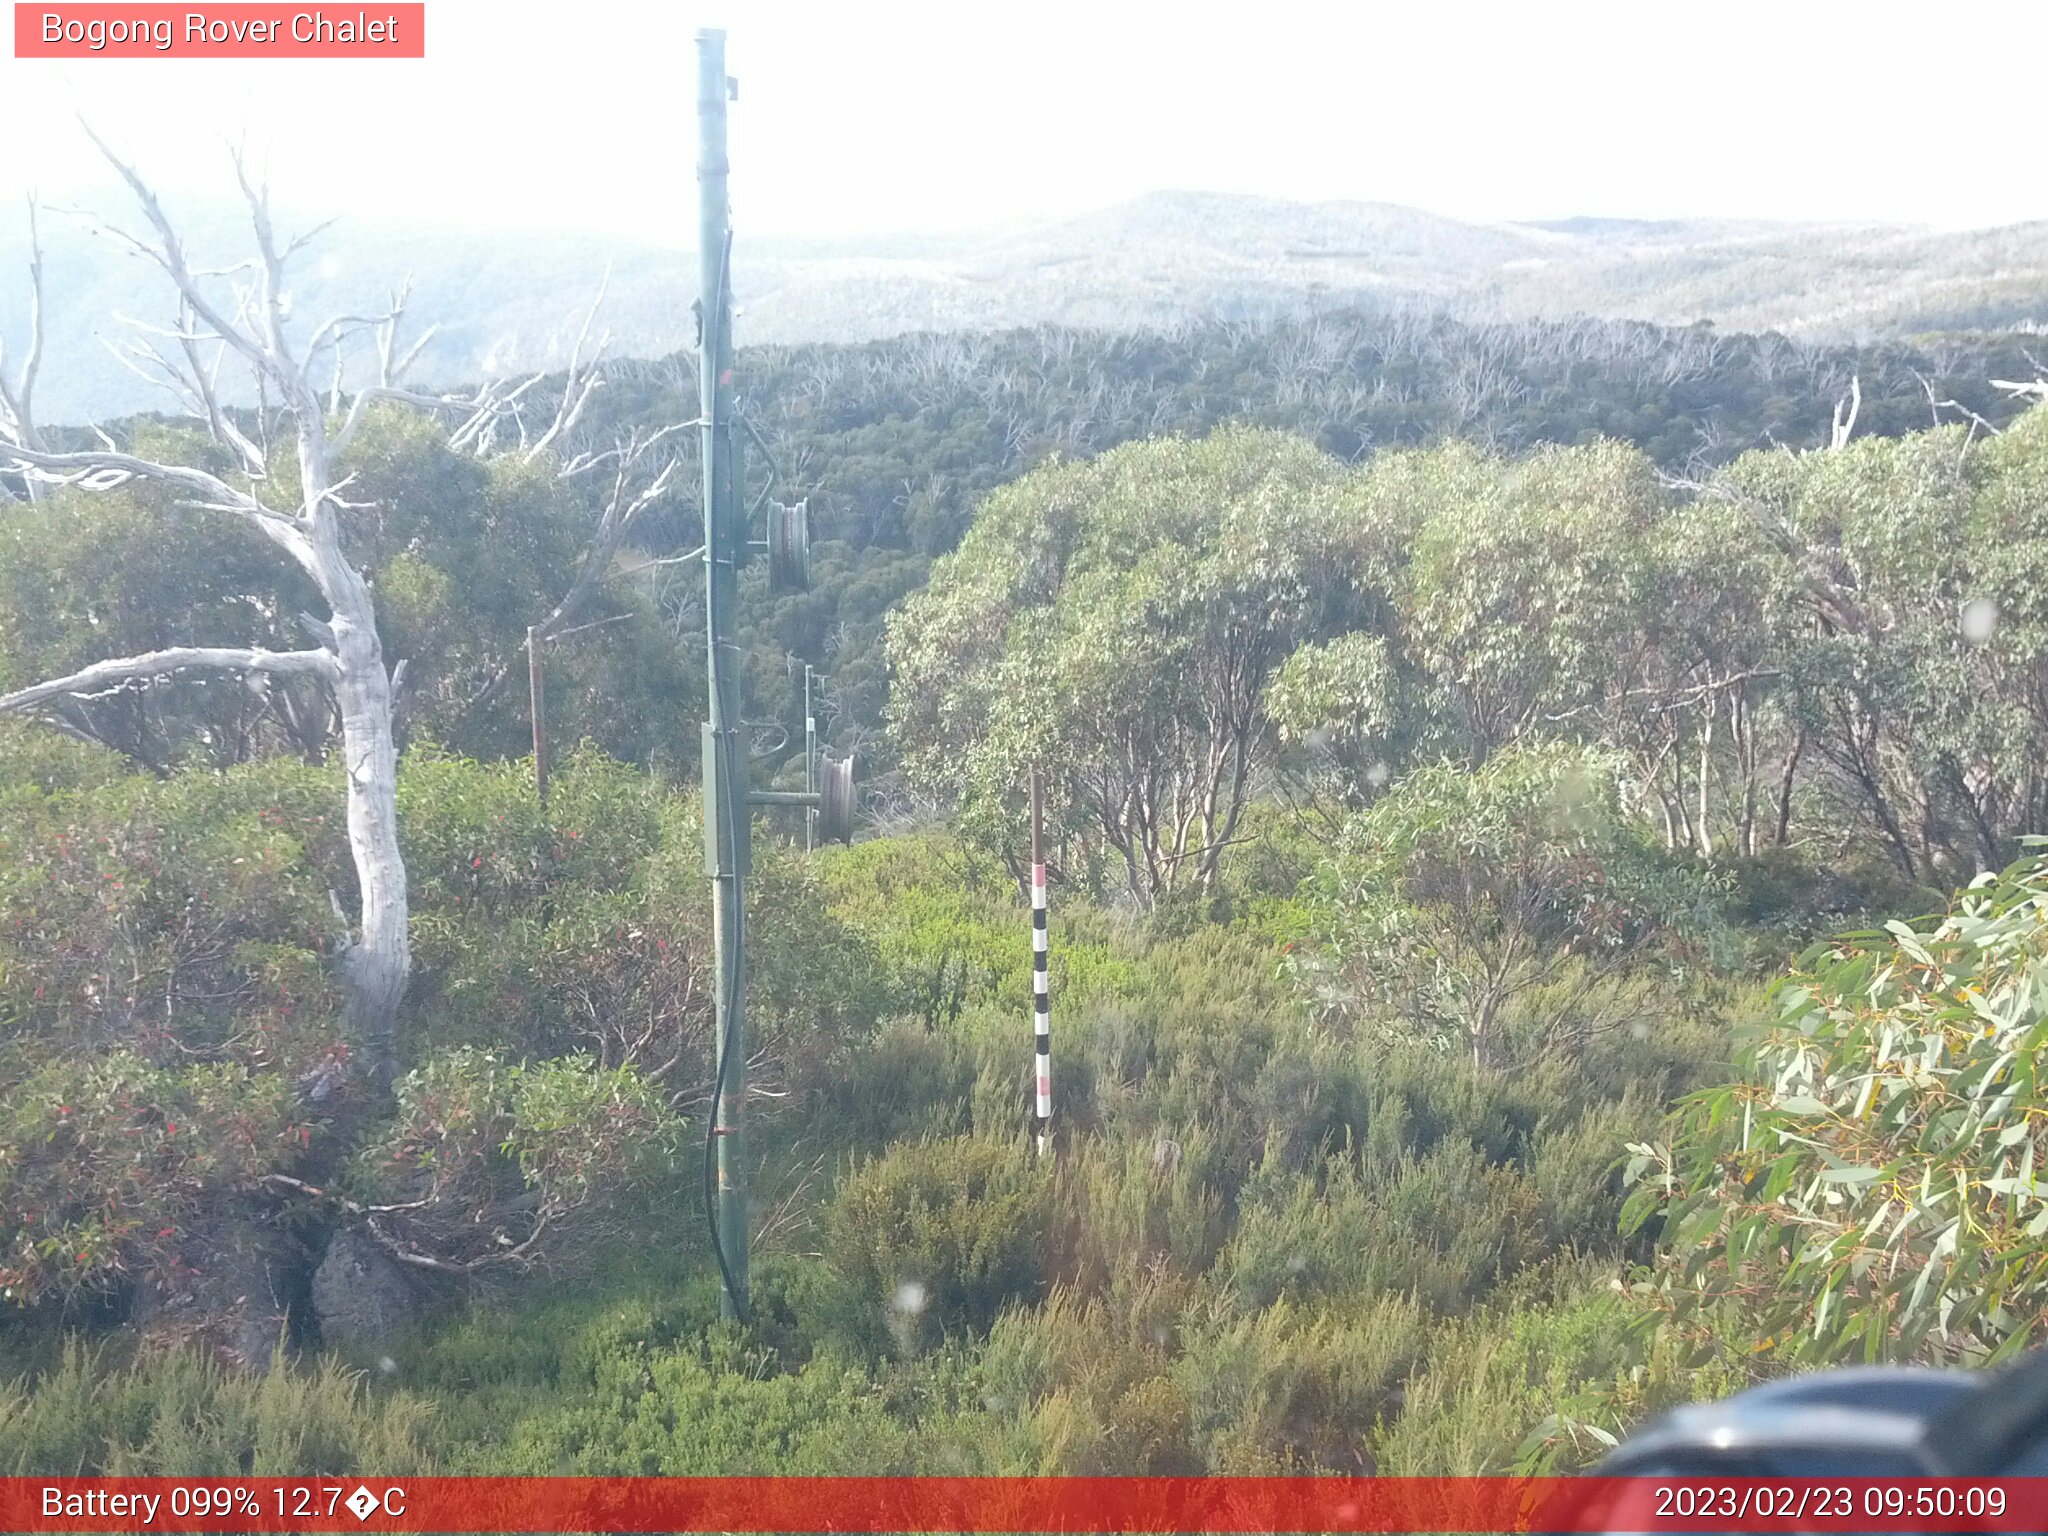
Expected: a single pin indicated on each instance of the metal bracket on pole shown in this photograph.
(728, 849)
(832, 800)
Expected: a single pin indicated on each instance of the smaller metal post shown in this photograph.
(536, 692)
(810, 762)
(1041, 981)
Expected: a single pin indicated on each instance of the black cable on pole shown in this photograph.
(714, 336)
(742, 1304)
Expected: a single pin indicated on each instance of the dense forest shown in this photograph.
(1161, 260)
(1497, 778)
(895, 443)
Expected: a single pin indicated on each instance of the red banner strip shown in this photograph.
(1021, 1504)
(379, 30)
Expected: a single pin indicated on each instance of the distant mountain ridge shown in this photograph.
(512, 301)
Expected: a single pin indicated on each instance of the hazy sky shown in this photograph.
(875, 116)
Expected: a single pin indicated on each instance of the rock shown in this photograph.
(361, 1295)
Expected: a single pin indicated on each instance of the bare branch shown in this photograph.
(271, 313)
(359, 406)
(25, 390)
(1845, 412)
(687, 557)
(301, 1187)
(1927, 388)
(576, 388)
(398, 369)
(389, 373)
(625, 454)
(17, 413)
(334, 332)
(182, 331)
(388, 332)
(1977, 422)
(300, 242)
(193, 382)
(495, 402)
(233, 268)
(159, 370)
(105, 469)
(169, 254)
(102, 675)
(621, 508)
(563, 634)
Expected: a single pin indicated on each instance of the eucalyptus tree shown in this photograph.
(1919, 668)
(1866, 1188)
(1706, 712)
(1490, 601)
(280, 473)
(1117, 622)
(1501, 909)
(1524, 593)
(1337, 707)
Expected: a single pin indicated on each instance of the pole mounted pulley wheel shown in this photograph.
(835, 800)
(832, 800)
(789, 546)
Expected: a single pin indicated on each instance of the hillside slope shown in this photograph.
(506, 302)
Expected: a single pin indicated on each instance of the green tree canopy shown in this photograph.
(1527, 880)
(1870, 1186)
(1117, 622)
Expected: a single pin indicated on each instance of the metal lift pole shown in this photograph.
(727, 820)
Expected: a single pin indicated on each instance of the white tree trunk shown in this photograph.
(378, 962)
(377, 953)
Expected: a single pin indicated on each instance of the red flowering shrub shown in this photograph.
(175, 1077)
(106, 1162)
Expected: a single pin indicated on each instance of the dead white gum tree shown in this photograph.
(241, 314)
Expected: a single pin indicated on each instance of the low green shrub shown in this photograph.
(936, 1237)
(1141, 1202)
(180, 1414)
(484, 1157)
(1287, 1390)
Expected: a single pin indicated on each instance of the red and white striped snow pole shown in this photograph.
(1041, 982)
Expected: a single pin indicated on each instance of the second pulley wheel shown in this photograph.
(789, 546)
(835, 800)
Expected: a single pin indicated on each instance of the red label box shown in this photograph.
(379, 30)
(1366, 1506)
